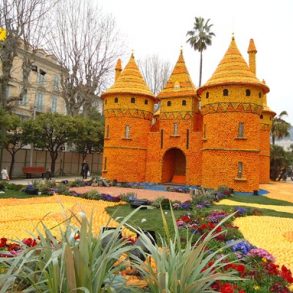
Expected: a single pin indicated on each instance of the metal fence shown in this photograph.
(67, 163)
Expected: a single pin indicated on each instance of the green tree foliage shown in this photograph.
(90, 138)
(3, 121)
(199, 38)
(15, 138)
(51, 131)
(280, 127)
(281, 160)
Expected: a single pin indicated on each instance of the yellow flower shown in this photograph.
(3, 34)
(264, 259)
(256, 287)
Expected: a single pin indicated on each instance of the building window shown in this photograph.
(261, 116)
(240, 170)
(207, 95)
(169, 103)
(162, 138)
(204, 131)
(24, 100)
(175, 129)
(116, 100)
(56, 82)
(146, 102)
(259, 94)
(39, 102)
(225, 92)
(105, 163)
(127, 131)
(183, 102)
(133, 100)
(107, 131)
(187, 138)
(41, 77)
(247, 92)
(54, 104)
(241, 130)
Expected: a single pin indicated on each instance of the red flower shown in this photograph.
(3, 242)
(286, 274)
(13, 247)
(29, 242)
(227, 288)
(185, 219)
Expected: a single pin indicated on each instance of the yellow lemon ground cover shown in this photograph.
(20, 217)
(271, 233)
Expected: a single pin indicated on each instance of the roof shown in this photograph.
(251, 47)
(233, 70)
(130, 81)
(179, 83)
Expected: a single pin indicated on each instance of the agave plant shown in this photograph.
(191, 268)
(79, 262)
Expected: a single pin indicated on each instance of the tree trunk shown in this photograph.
(11, 164)
(54, 156)
(200, 69)
(273, 139)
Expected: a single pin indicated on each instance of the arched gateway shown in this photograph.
(174, 166)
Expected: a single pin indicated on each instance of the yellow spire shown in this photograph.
(251, 47)
(251, 53)
(179, 83)
(130, 81)
(233, 70)
(118, 69)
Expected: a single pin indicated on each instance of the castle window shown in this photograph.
(207, 95)
(146, 102)
(127, 131)
(183, 102)
(240, 170)
(107, 131)
(225, 92)
(247, 93)
(241, 130)
(259, 94)
(133, 100)
(105, 163)
(116, 100)
(187, 138)
(169, 103)
(175, 129)
(105, 101)
(261, 116)
(162, 138)
(205, 131)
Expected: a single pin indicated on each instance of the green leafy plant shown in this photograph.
(93, 194)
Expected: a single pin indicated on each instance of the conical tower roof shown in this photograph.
(233, 70)
(179, 83)
(130, 81)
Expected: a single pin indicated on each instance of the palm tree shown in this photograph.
(199, 38)
(280, 127)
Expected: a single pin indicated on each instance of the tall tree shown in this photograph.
(23, 22)
(199, 38)
(51, 131)
(86, 43)
(280, 127)
(155, 72)
(15, 138)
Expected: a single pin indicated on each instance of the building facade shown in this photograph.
(218, 134)
(44, 89)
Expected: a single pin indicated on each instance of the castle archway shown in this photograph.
(174, 166)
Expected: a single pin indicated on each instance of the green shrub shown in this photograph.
(93, 194)
(157, 202)
(128, 196)
(62, 189)
(76, 183)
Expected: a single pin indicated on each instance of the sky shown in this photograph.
(159, 27)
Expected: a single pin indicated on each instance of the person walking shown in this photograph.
(84, 169)
(4, 174)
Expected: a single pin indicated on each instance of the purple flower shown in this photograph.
(243, 247)
(262, 253)
(240, 211)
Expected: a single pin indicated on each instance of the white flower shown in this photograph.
(166, 213)
(143, 220)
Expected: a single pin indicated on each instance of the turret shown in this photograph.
(252, 56)
(231, 106)
(118, 69)
(266, 119)
(128, 107)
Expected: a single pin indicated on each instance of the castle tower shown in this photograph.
(174, 150)
(231, 107)
(265, 131)
(252, 56)
(128, 107)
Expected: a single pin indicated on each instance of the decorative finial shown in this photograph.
(233, 37)
(132, 53)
